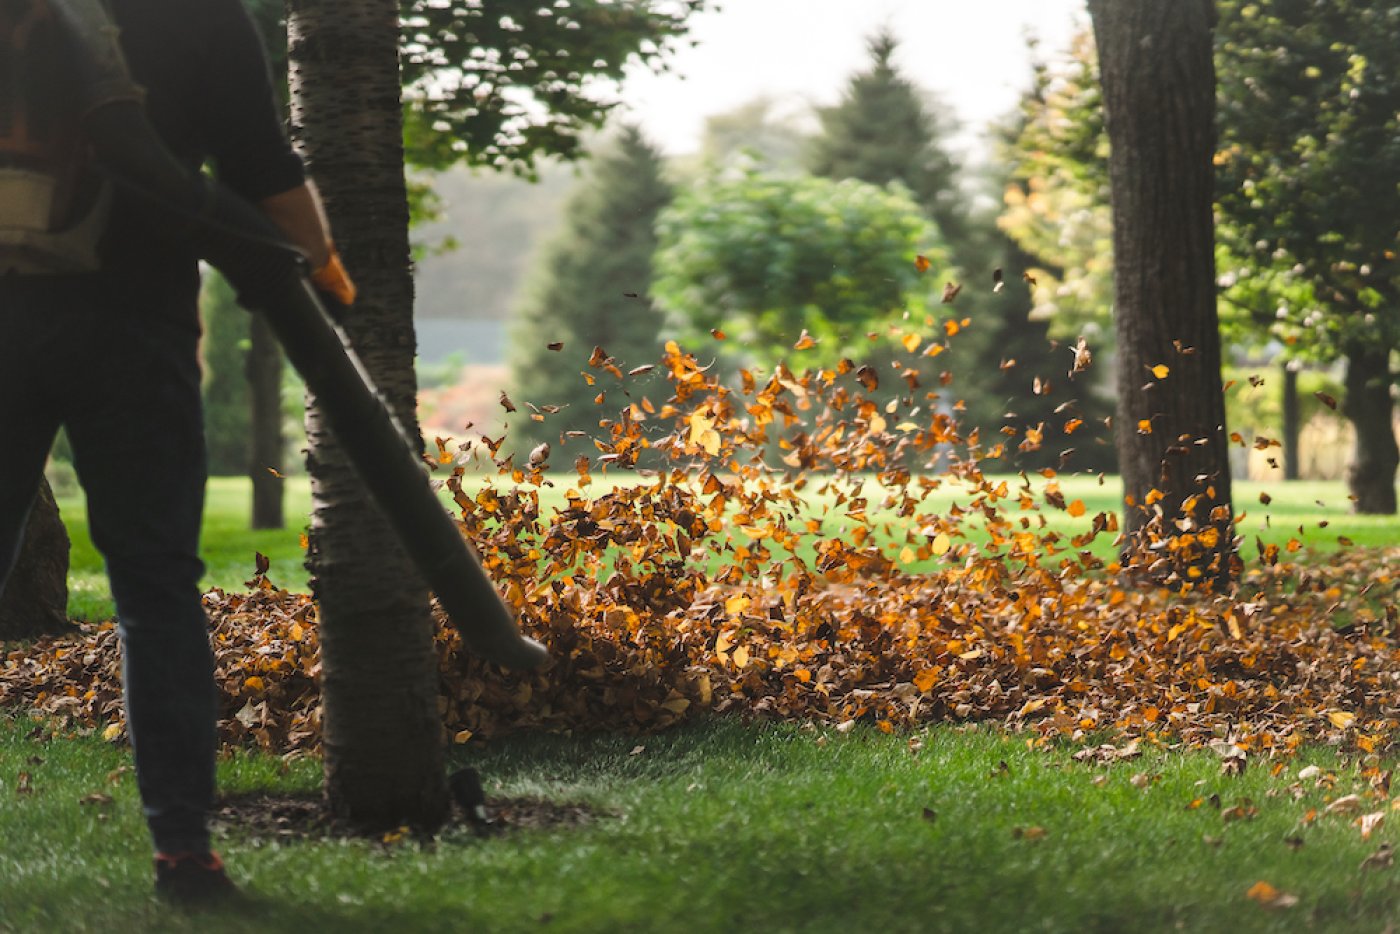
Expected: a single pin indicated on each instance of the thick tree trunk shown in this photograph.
(264, 370)
(1371, 474)
(382, 731)
(35, 601)
(1291, 423)
(1159, 103)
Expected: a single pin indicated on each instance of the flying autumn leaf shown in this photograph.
(506, 403)
(1083, 357)
(921, 263)
(1326, 400)
(805, 341)
(950, 292)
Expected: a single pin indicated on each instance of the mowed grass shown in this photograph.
(1316, 513)
(731, 827)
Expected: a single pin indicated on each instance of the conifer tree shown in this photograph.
(591, 289)
(882, 132)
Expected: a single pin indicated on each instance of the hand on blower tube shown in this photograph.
(301, 217)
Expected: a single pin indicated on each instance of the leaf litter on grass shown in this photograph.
(802, 547)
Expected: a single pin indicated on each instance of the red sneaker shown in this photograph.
(193, 879)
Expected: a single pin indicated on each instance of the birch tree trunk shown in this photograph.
(382, 732)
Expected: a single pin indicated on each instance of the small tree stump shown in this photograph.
(35, 601)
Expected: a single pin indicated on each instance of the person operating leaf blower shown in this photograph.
(99, 334)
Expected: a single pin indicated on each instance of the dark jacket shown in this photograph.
(210, 95)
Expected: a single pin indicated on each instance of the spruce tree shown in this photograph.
(591, 290)
(882, 132)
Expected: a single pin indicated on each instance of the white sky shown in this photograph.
(971, 53)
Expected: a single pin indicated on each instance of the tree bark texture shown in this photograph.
(35, 601)
(1159, 103)
(1292, 424)
(382, 732)
(264, 372)
(1371, 473)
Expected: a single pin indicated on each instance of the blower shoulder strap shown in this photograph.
(53, 202)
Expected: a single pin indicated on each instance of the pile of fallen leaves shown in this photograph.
(832, 582)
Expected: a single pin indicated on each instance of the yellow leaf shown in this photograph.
(1160, 370)
(911, 342)
(462, 736)
(940, 544)
(112, 732)
(741, 656)
(926, 679)
(1262, 891)
(1269, 896)
(255, 684)
(1341, 719)
(1075, 508)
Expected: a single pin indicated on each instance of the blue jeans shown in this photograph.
(125, 384)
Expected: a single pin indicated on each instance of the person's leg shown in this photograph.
(138, 446)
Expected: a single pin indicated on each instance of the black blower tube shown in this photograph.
(271, 276)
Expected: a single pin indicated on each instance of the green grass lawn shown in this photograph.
(1320, 509)
(732, 827)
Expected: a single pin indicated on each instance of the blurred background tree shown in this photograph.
(592, 288)
(765, 258)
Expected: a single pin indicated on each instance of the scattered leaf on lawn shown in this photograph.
(1269, 896)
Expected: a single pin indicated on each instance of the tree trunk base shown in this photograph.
(35, 601)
